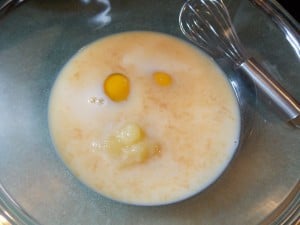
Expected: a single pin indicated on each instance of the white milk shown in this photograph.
(195, 120)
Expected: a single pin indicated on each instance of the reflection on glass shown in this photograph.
(102, 17)
(3, 221)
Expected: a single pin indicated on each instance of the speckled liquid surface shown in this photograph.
(195, 119)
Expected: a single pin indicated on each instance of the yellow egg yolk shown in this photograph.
(116, 87)
(162, 78)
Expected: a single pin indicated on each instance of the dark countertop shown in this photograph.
(291, 7)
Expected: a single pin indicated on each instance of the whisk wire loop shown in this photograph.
(223, 17)
(212, 29)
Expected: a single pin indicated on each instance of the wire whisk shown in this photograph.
(207, 23)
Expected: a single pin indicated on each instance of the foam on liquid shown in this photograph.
(195, 120)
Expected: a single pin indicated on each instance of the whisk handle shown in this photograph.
(273, 90)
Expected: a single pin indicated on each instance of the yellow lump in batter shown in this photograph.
(129, 145)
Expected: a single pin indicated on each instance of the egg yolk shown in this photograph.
(162, 78)
(116, 87)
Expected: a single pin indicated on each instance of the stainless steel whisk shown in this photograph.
(207, 23)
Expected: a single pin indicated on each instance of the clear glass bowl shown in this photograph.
(261, 185)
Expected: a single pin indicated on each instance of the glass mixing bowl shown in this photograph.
(261, 184)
